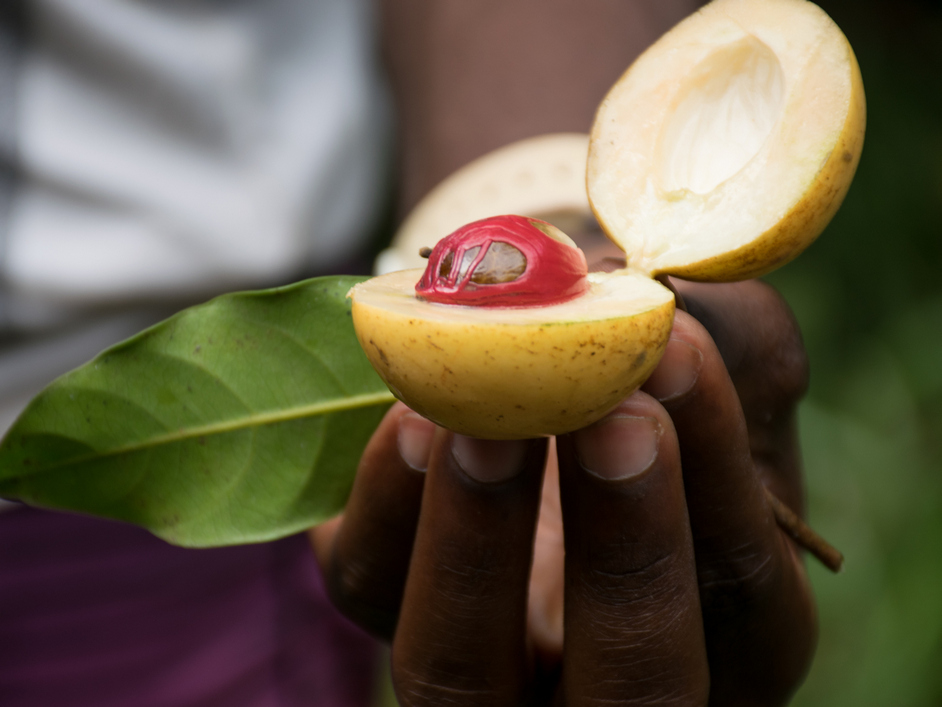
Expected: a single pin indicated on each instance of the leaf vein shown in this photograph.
(253, 420)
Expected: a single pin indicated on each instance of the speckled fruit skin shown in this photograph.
(468, 377)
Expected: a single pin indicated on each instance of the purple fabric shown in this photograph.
(100, 614)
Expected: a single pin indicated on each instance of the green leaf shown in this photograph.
(240, 420)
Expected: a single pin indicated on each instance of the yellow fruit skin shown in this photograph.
(805, 221)
(468, 377)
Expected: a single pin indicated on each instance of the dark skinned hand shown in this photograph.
(677, 588)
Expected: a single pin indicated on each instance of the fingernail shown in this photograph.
(415, 440)
(618, 446)
(489, 461)
(677, 372)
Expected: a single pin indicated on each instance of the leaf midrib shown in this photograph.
(254, 420)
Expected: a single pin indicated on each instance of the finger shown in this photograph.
(461, 634)
(758, 611)
(322, 539)
(633, 627)
(756, 334)
(761, 345)
(365, 554)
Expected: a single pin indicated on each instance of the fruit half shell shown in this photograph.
(541, 177)
(728, 146)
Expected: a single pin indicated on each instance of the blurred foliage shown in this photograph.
(868, 296)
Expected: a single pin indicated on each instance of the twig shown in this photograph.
(802, 534)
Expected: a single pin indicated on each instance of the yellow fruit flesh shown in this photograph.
(514, 373)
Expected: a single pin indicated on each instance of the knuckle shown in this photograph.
(469, 567)
(353, 589)
(657, 691)
(348, 582)
(787, 362)
(617, 576)
(740, 578)
(417, 686)
(774, 364)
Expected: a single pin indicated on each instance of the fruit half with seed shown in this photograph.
(510, 371)
(719, 155)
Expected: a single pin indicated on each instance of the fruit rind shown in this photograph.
(801, 226)
(542, 177)
(800, 74)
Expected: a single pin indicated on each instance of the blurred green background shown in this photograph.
(868, 296)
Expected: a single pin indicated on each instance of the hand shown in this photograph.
(678, 586)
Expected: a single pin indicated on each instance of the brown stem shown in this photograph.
(802, 534)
